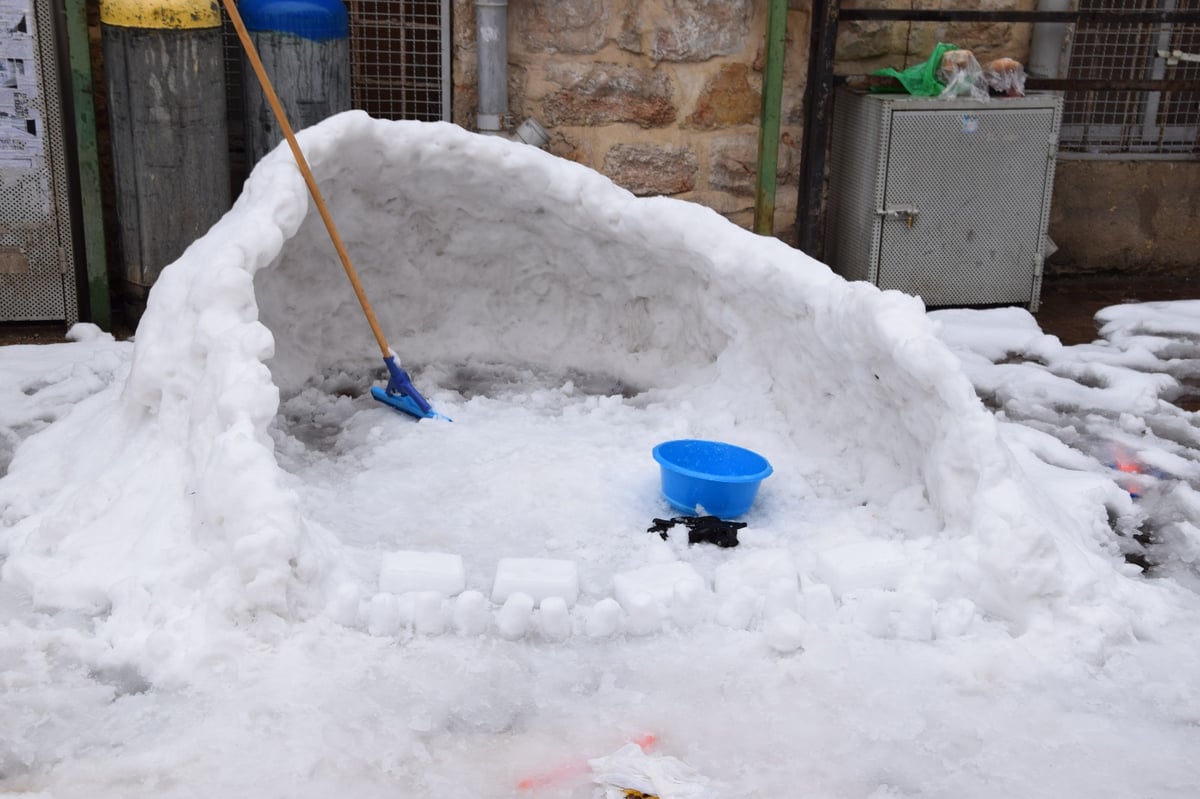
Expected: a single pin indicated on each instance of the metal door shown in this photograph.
(964, 204)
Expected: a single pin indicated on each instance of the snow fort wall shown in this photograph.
(477, 248)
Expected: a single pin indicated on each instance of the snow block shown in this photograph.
(658, 581)
(540, 578)
(783, 596)
(953, 618)
(385, 615)
(512, 620)
(756, 571)
(738, 609)
(914, 616)
(471, 614)
(871, 611)
(343, 607)
(405, 571)
(644, 615)
(604, 619)
(785, 632)
(429, 615)
(862, 566)
(689, 603)
(820, 608)
(555, 619)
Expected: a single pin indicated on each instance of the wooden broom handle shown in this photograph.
(301, 162)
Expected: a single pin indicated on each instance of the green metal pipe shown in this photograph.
(768, 129)
(88, 158)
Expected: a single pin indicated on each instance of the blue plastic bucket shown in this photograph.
(720, 478)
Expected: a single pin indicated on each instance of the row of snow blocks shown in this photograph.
(165, 72)
(857, 586)
(304, 46)
(427, 590)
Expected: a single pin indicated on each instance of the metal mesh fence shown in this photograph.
(1134, 123)
(399, 54)
(399, 65)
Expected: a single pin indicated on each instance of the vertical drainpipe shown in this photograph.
(491, 29)
(1045, 47)
(768, 128)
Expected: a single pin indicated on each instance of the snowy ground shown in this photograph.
(203, 581)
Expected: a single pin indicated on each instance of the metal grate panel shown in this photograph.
(400, 58)
(945, 199)
(858, 166)
(37, 279)
(1129, 123)
(399, 66)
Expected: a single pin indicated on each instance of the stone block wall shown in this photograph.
(866, 46)
(663, 96)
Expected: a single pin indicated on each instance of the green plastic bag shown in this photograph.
(919, 79)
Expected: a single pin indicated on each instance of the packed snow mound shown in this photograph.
(473, 249)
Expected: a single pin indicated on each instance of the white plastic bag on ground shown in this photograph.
(665, 777)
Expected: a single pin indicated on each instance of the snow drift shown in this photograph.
(474, 249)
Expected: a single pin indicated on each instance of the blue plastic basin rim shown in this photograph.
(318, 20)
(716, 478)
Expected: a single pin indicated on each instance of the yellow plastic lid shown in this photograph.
(161, 14)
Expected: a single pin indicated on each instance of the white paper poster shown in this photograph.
(21, 129)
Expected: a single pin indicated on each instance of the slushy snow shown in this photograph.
(225, 570)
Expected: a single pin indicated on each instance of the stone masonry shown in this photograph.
(664, 96)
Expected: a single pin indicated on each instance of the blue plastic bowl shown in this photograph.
(721, 478)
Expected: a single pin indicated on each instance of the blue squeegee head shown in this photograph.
(402, 403)
(401, 394)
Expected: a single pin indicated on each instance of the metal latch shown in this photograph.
(908, 213)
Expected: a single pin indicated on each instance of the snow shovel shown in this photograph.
(400, 393)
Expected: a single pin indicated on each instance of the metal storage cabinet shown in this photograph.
(945, 199)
